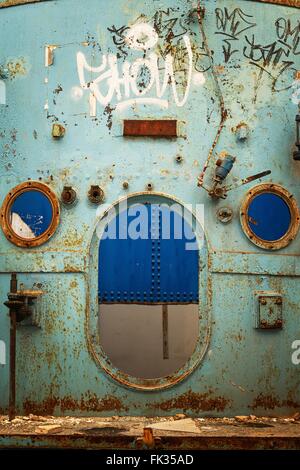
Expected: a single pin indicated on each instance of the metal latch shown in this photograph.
(22, 302)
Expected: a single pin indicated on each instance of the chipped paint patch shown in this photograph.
(16, 68)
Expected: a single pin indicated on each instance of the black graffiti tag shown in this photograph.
(231, 25)
(275, 58)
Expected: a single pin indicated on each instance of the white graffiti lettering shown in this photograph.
(124, 86)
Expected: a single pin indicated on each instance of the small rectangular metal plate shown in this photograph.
(150, 128)
(269, 313)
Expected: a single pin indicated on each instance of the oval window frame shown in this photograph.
(9, 200)
(288, 198)
(204, 305)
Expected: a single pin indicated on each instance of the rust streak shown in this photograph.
(269, 402)
(88, 402)
(194, 401)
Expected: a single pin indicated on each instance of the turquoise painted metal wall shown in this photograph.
(256, 57)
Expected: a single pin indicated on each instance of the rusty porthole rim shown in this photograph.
(7, 203)
(288, 198)
(204, 305)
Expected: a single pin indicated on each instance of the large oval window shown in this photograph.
(148, 293)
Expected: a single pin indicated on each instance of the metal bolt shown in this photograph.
(96, 194)
(125, 184)
(225, 215)
(68, 195)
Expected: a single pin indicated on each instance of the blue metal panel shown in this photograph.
(124, 264)
(179, 261)
(159, 268)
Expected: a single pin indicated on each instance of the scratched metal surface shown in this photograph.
(256, 56)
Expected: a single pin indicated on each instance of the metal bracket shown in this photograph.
(269, 310)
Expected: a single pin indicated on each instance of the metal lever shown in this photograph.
(247, 180)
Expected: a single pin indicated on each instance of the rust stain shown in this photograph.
(269, 402)
(73, 238)
(209, 289)
(16, 67)
(68, 268)
(220, 69)
(51, 357)
(237, 337)
(239, 126)
(195, 402)
(88, 402)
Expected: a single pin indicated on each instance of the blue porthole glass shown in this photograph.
(31, 214)
(269, 216)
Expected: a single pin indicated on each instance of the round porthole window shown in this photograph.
(270, 216)
(30, 214)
